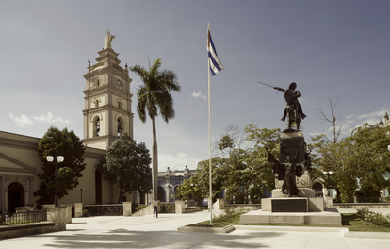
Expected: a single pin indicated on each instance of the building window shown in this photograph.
(120, 105)
(96, 103)
(97, 82)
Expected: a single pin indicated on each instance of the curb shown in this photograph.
(292, 228)
(226, 229)
(367, 235)
(344, 231)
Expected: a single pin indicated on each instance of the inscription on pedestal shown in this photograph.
(289, 205)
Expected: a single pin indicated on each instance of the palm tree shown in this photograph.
(155, 95)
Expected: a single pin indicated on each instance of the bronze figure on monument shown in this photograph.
(294, 160)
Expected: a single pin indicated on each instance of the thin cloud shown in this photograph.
(371, 118)
(51, 119)
(199, 95)
(22, 120)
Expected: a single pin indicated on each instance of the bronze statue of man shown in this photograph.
(294, 100)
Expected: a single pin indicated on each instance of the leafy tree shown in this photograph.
(261, 174)
(269, 138)
(369, 157)
(233, 163)
(328, 153)
(231, 139)
(219, 173)
(358, 161)
(154, 97)
(59, 143)
(193, 191)
(128, 165)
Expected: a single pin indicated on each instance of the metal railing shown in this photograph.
(103, 210)
(35, 216)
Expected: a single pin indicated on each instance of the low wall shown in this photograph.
(360, 205)
(247, 206)
(15, 231)
(104, 210)
(146, 211)
(192, 209)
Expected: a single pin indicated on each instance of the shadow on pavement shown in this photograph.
(124, 238)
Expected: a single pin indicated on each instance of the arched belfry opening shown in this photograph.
(120, 126)
(96, 126)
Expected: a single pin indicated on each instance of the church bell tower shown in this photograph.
(107, 111)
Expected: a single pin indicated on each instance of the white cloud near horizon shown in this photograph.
(353, 121)
(51, 119)
(199, 95)
(22, 120)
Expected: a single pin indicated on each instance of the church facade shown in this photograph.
(107, 113)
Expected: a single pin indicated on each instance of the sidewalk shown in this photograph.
(149, 232)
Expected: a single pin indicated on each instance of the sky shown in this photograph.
(335, 49)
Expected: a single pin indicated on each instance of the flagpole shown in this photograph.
(209, 94)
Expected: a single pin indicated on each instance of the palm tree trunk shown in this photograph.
(154, 162)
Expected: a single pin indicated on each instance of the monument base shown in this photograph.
(293, 204)
(293, 210)
(303, 192)
(329, 217)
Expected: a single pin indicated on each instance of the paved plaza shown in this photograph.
(149, 232)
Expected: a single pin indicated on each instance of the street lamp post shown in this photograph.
(58, 160)
(328, 187)
(179, 174)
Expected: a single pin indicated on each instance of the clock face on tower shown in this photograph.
(119, 83)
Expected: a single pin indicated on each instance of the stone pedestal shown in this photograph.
(127, 208)
(219, 204)
(292, 144)
(180, 207)
(68, 212)
(78, 210)
(328, 201)
(56, 215)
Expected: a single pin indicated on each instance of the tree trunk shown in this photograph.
(121, 193)
(154, 161)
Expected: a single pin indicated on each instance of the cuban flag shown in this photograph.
(215, 63)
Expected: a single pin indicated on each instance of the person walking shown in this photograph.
(155, 204)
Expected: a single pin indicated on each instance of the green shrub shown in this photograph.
(141, 207)
(17, 222)
(167, 207)
(229, 214)
(374, 217)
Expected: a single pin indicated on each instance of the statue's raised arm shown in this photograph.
(279, 89)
